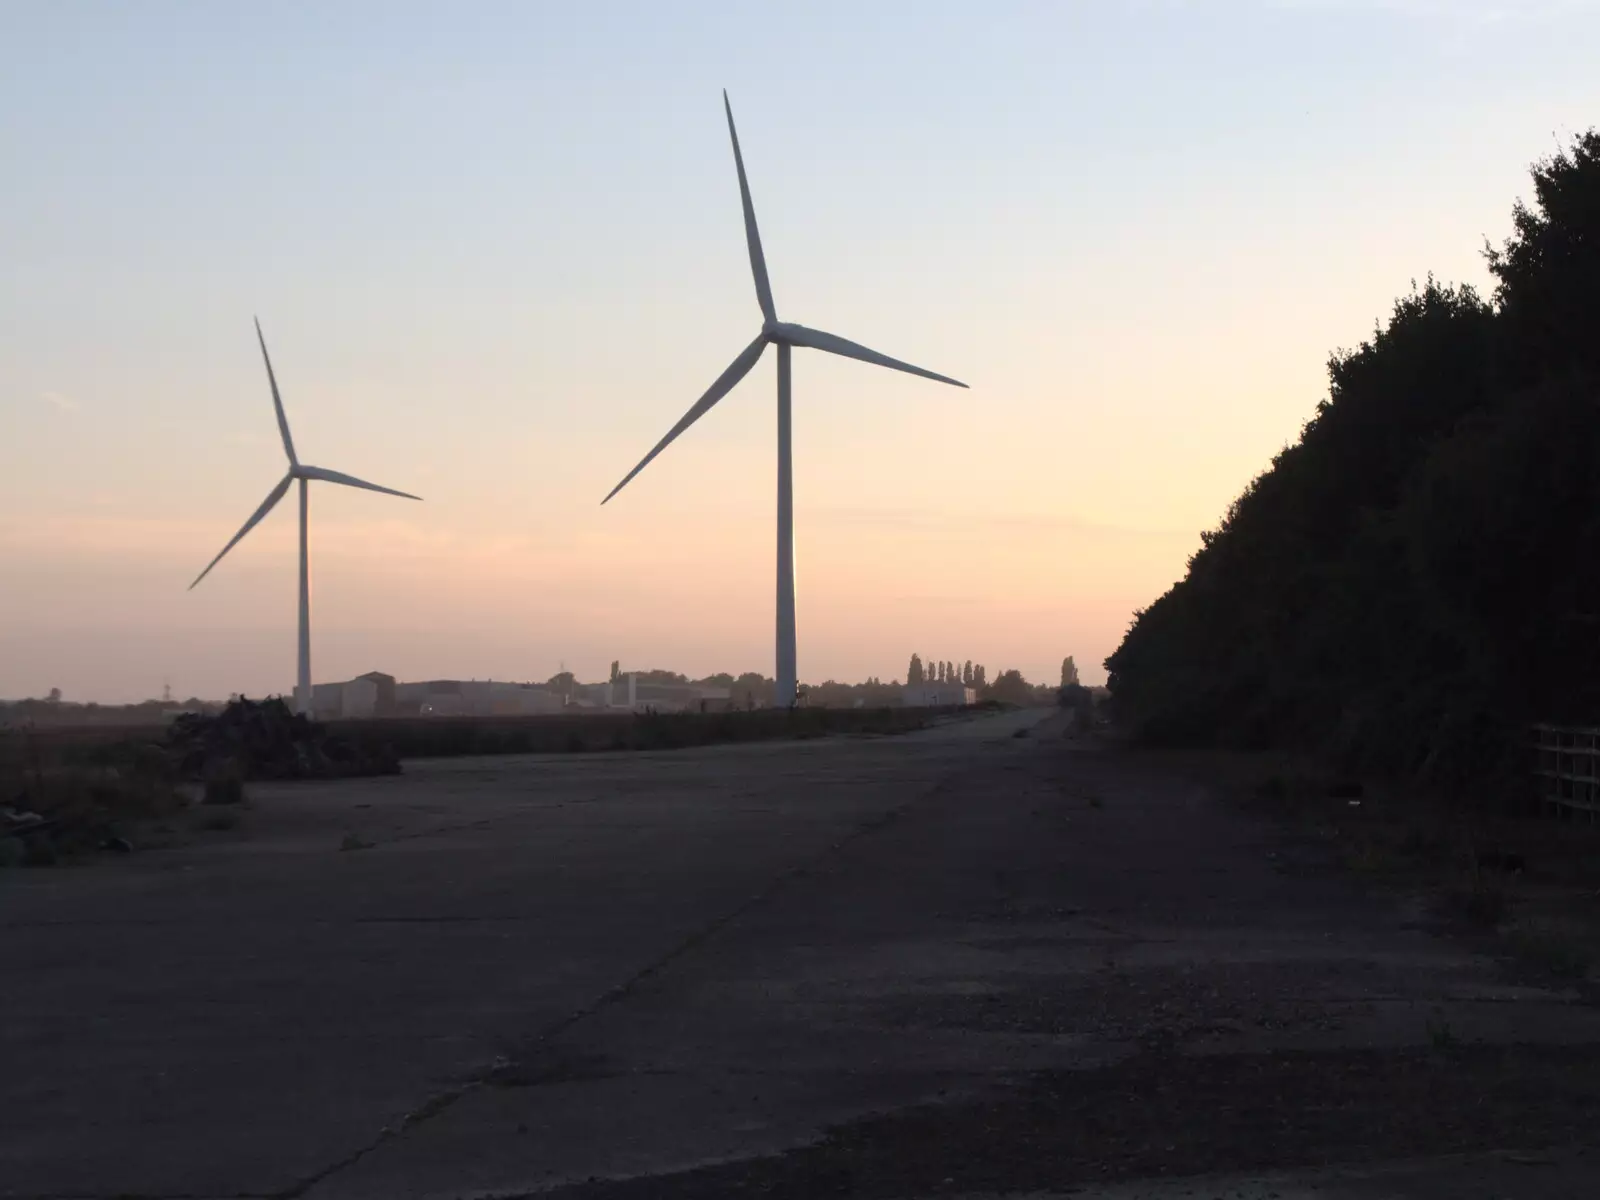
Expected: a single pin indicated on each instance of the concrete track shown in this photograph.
(544, 971)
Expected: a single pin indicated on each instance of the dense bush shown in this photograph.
(1411, 583)
(1079, 701)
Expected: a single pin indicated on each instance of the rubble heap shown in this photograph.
(265, 740)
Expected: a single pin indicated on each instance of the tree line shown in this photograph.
(1008, 687)
(920, 674)
(1415, 579)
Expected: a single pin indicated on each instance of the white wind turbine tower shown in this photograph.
(784, 335)
(298, 471)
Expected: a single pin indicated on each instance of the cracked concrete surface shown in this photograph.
(549, 970)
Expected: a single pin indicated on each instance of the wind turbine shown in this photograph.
(298, 471)
(784, 335)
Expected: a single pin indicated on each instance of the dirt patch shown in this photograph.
(1161, 1115)
(1152, 1006)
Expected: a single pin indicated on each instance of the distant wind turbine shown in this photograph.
(784, 335)
(304, 474)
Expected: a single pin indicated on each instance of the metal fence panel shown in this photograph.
(1568, 767)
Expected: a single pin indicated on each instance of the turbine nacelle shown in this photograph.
(303, 471)
(297, 470)
(774, 331)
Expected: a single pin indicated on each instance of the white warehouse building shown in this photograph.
(938, 695)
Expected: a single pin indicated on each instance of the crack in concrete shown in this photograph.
(444, 1100)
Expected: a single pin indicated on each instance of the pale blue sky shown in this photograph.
(496, 252)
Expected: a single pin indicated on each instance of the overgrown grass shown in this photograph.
(557, 733)
(1532, 884)
(91, 784)
(67, 804)
(1563, 956)
(1479, 900)
(224, 783)
(591, 732)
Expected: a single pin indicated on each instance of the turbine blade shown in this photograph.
(328, 476)
(737, 370)
(799, 335)
(273, 497)
(752, 236)
(277, 401)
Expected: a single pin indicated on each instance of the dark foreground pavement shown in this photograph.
(958, 963)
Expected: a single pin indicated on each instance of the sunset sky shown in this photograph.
(496, 251)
